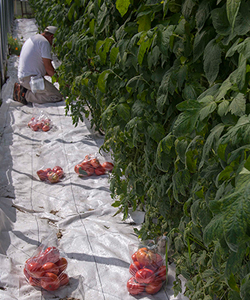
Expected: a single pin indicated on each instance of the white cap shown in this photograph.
(50, 29)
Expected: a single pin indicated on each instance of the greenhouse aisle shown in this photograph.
(76, 210)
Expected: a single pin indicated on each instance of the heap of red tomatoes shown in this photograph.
(148, 270)
(51, 175)
(37, 123)
(92, 166)
(47, 270)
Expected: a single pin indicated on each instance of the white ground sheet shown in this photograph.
(95, 242)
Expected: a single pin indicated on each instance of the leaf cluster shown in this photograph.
(168, 83)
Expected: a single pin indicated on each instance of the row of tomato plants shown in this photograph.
(167, 82)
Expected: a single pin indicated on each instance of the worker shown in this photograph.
(35, 62)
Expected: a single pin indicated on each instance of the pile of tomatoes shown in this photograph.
(92, 166)
(51, 175)
(47, 270)
(148, 270)
(37, 123)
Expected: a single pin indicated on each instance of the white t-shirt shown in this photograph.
(30, 61)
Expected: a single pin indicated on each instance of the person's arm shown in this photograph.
(50, 71)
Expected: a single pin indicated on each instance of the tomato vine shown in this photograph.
(168, 83)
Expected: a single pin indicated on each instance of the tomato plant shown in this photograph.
(134, 287)
(168, 84)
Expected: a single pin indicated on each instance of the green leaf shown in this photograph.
(122, 6)
(220, 21)
(187, 8)
(102, 79)
(201, 39)
(113, 54)
(238, 105)
(223, 108)
(163, 157)
(209, 107)
(232, 283)
(202, 14)
(144, 23)
(212, 139)
(163, 38)
(212, 60)
(213, 230)
(245, 287)
(233, 7)
(156, 131)
(143, 48)
(123, 110)
(181, 180)
(239, 132)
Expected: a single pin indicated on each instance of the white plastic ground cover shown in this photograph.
(95, 241)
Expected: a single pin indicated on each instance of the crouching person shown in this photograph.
(36, 62)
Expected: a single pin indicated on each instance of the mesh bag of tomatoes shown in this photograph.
(148, 272)
(47, 269)
(41, 122)
(51, 175)
(91, 165)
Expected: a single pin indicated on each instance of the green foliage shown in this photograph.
(168, 83)
(14, 45)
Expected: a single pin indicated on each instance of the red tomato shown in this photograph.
(64, 279)
(134, 257)
(51, 254)
(39, 125)
(90, 171)
(34, 281)
(80, 171)
(85, 164)
(145, 276)
(53, 177)
(100, 170)
(45, 128)
(146, 257)
(34, 127)
(60, 173)
(161, 273)
(51, 268)
(42, 175)
(134, 287)
(95, 162)
(30, 123)
(87, 157)
(34, 269)
(134, 267)
(56, 168)
(154, 287)
(156, 263)
(108, 166)
(47, 170)
(26, 274)
(50, 282)
(62, 263)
